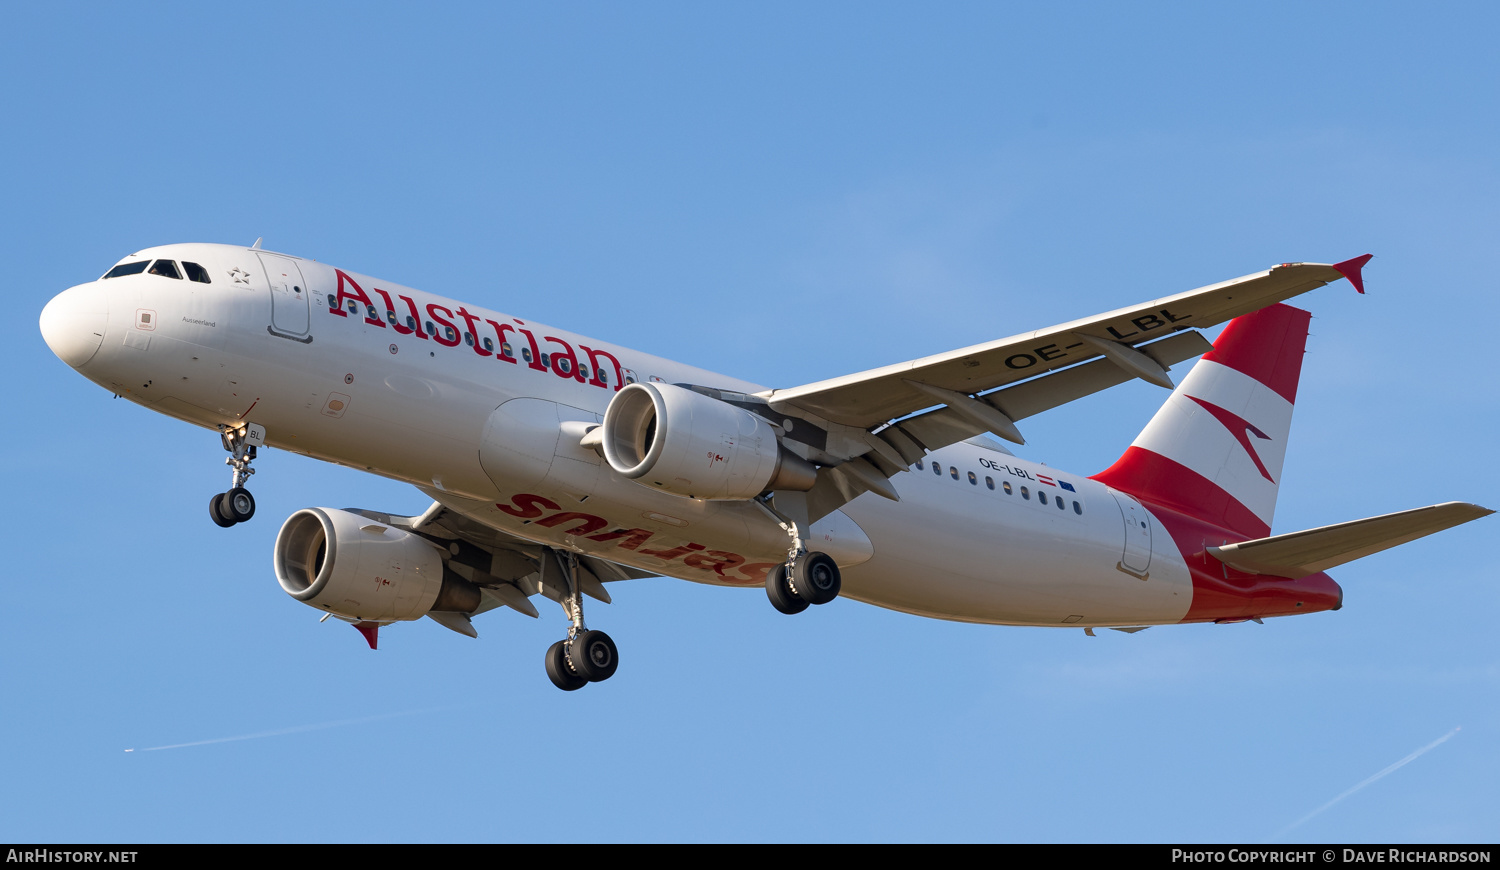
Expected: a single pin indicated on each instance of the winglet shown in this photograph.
(1351, 269)
(370, 630)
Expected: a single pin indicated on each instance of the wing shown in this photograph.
(866, 427)
(872, 397)
(509, 570)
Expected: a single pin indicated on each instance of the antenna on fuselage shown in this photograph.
(256, 246)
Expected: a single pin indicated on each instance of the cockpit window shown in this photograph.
(196, 272)
(124, 269)
(166, 269)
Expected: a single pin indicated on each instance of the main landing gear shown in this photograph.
(585, 656)
(805, 578)
(237, 505)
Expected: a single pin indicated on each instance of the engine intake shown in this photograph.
(360, 569)
(688, 444)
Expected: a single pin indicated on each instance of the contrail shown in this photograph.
(1389, 770)
(297, 729)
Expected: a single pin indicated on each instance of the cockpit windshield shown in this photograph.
(164, 268)
(124, 269)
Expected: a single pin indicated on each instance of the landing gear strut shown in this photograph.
(805, 578)
(237, 505)
(585, 656)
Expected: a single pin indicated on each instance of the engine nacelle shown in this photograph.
(360, 569)
(688, 444)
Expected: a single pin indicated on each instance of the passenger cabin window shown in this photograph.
(989, 482)
(937, 469)
(920, 466)
(431, 330)
(1025, 493)
(1008, 490)
(1061, 505)
(526, 354)
(196, 272)
(953, 471)
(468, 339)
(1077, 508)
(973, 479)
(124, 269)
(1041, 496)
(390, 317)
(165, 268)
(489, 345)
(505, 350)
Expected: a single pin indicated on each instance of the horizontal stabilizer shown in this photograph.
(1299, 554)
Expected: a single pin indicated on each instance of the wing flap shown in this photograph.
(1299, 554)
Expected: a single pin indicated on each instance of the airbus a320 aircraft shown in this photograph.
(558, 463)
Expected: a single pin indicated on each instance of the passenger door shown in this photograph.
(290, 307)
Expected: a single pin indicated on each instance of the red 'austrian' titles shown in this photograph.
(563, 358)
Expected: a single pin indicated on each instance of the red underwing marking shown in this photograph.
(531, 507)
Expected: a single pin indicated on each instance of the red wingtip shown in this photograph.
(371, 631)
(1351, 269)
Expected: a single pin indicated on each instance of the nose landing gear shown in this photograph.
(237, 505)
(585, 656)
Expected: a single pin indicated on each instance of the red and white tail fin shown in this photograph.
(1215, 449)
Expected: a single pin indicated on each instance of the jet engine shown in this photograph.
(688, 444)
(360, 569)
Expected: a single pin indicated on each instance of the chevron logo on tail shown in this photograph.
(1241, 430)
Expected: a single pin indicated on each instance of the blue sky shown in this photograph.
(782, 192)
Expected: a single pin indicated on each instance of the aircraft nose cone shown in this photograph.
(73, 323)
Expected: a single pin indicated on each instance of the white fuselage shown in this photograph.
(486, 431)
